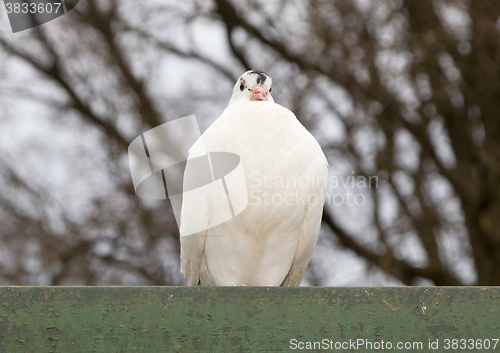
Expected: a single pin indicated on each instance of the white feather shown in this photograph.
(266, 244)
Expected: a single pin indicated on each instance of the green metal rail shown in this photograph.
(249, 319)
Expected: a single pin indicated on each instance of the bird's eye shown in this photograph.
(242, 87)
(270, 89)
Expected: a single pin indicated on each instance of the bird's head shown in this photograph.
(253, 85)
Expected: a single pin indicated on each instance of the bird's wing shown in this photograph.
(193, 216)
(192, 248)
(308, 236)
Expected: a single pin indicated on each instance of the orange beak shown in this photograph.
(259, 93)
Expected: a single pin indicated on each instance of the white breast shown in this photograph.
(285, 171)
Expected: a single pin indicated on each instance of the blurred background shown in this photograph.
(402, 93)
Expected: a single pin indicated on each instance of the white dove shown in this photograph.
(272, 240)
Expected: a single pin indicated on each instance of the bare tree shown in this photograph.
(402, 95)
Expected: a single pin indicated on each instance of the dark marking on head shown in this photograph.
(261, 76)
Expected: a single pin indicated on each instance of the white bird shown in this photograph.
(272, 240)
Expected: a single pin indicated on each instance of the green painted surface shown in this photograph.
(246, 319)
